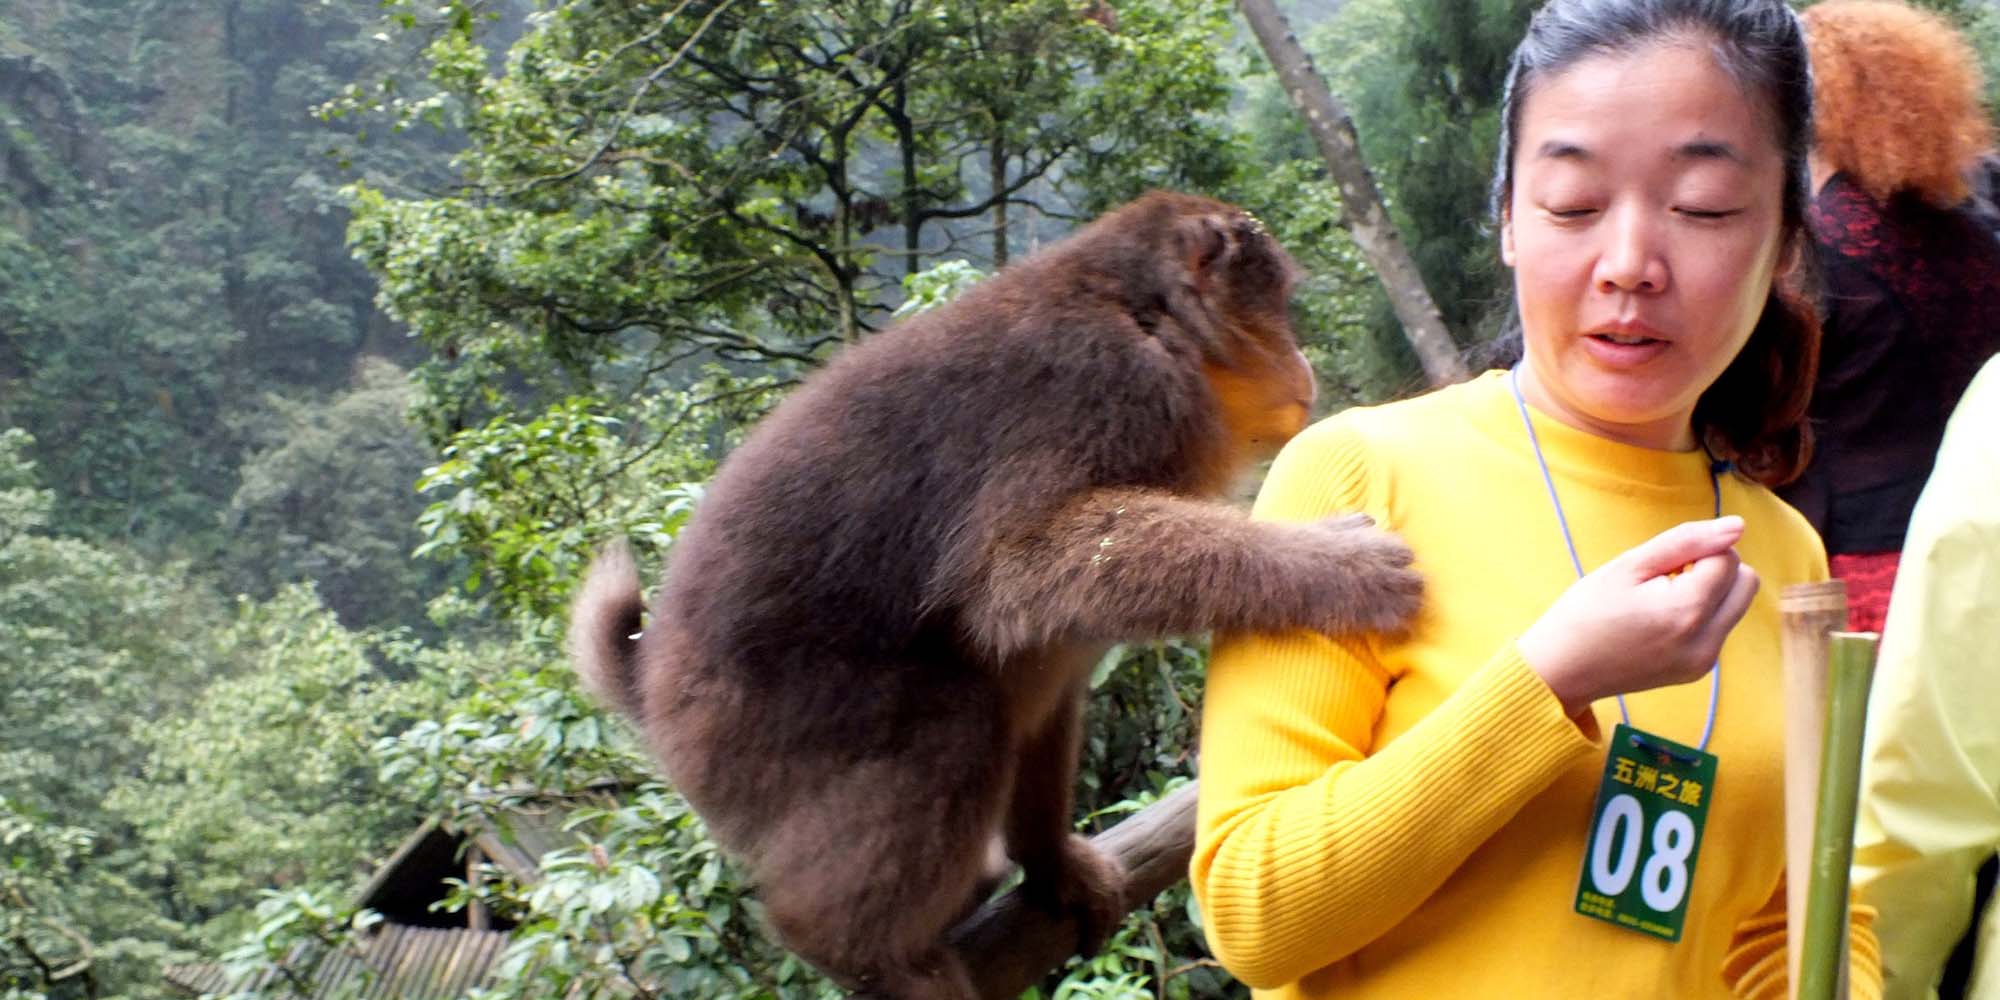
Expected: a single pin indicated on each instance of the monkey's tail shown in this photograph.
(604, 623)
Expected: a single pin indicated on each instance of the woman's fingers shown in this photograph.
(1735, 603)
(1673, 549)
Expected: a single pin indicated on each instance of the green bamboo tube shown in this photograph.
(1851, 667)
(1811, 612)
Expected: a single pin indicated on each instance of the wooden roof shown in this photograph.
(406, 963)
(417, 952)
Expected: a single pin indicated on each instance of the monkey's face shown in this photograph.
(1262, 382)
(1266, 400)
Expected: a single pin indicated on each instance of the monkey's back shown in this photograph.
(809, 617)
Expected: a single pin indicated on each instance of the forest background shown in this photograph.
(335, 336)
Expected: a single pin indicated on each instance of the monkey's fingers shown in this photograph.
(1365, 582)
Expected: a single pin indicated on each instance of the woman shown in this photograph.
(1911, 280)
(1422, 815)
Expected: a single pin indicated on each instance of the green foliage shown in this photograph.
(1422, 83)
(40, 949)
(641, 900)
(523, 501)
(272, 772)
(1426, 105)
(936, 285)
(329, 496)
(648, 905)
(603, 239)
(294, 932)
(172, 248)
(91, 643)
(179, 760)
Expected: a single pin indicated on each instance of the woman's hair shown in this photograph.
(1897, 91)
(1755, 413)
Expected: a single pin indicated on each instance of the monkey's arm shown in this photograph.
(1127, 564)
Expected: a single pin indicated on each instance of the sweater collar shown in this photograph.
(1576, 454)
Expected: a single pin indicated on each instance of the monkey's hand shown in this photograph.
(1352, 576)
(1119, 565)
(1085, 883)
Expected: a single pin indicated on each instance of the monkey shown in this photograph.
(868, 658)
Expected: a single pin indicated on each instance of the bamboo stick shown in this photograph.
(1823, 962)
(1810, 611)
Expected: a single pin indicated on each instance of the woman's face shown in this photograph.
(1644, 229)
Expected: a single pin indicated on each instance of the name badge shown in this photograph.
(1645, 833)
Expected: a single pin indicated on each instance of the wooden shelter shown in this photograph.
(419, 951)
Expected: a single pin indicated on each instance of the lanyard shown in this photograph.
(1715, 470)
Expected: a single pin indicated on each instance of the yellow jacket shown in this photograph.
(1408, 818)
(1930, 777)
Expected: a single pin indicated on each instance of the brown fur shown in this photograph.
(869, 657)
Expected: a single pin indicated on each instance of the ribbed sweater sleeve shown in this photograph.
(1312, 841)
(1758, 965)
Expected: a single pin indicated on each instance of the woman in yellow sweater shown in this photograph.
(1461, 811)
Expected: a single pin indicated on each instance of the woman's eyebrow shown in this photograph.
(1710, 149)
(1561, 149)
(1698, 149)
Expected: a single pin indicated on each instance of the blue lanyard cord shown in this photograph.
(1715, 470)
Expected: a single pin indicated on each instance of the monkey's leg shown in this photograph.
(936, 975)
(866, 870)
(1124, 564)
(1061, 871)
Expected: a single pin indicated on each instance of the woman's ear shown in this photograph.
(1507, 237)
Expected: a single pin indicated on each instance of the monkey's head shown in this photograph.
(1233, 293)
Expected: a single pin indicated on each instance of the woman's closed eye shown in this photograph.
(1707, 214)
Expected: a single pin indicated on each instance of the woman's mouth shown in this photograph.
(1623, 349)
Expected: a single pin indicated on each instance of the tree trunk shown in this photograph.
(906, 142)
(997, 167)
(1009, 946)
(1367, 218)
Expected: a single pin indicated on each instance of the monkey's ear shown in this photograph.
(1205, 241)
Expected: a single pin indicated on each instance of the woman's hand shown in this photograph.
(1654, 616)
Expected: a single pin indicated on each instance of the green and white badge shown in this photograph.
(1645, 833)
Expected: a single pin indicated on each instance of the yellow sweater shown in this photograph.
(1408, 819)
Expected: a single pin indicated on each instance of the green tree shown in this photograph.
(269, 780)
(329, 496)
(652, 185)
(92, 643)
(173, 247)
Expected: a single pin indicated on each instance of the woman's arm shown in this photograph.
(1311, 843)
(1311, 840)
(1757, 966)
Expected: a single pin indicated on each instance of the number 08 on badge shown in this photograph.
(1645, 833)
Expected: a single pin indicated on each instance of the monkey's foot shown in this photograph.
(1087, 884)
(938, 974)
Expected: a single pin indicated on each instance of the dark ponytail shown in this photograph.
(1755, 413)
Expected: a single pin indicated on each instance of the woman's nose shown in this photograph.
(1631, 259)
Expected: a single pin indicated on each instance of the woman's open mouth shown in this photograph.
(1624, 348)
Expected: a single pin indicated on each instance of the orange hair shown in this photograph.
(1895, 98)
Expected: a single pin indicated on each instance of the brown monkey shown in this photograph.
(868, 658)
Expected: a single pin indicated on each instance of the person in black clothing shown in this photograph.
(1910, 274)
